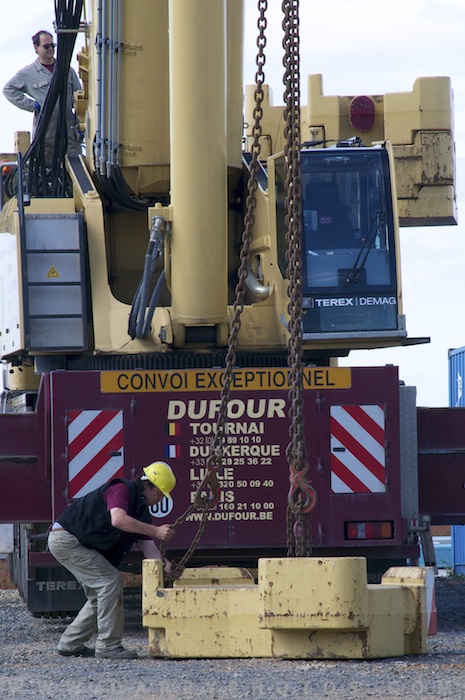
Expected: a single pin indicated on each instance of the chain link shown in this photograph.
(301, 496)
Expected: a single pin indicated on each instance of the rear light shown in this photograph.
(362, 113)
(6, 167)
(383, 530)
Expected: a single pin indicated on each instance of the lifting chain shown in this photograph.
(301, 496)
(208, 492)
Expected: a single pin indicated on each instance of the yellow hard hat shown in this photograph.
(161, 475)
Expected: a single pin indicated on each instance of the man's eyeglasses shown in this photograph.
(48, 46)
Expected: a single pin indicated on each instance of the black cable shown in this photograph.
(43, 180)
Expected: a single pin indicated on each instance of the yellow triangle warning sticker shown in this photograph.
(52, 272)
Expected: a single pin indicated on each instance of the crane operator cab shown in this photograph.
(349, 240)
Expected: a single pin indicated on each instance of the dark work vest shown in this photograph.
(88, 519)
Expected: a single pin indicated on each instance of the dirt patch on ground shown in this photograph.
(5, 581)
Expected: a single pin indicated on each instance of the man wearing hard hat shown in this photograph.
(90, 539)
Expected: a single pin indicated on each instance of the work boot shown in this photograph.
(83, 651)
(118, 653)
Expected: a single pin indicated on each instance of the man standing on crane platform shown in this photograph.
(29, 87)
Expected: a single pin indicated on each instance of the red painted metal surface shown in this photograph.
(25, 493)
(441, 464)
(370, 386)
(176, 424)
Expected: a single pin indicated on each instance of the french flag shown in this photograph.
(172, 451)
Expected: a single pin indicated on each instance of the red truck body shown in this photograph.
(83, 432)
(91, 426)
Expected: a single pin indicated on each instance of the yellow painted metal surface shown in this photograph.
(209, 614)
(198, 152)
(161, 95)
(110, 314)
(22, 141)
(315, 608)
(313, 593)
(425, 176)
(170, 84)
(145, 88)
(234, 112)
(215, 576)
(243, 380)
(417, 579)
(144, 93)
(419, 124)
(21, 378)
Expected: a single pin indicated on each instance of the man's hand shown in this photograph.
(120, 519)
(168, 567)
(164, 532)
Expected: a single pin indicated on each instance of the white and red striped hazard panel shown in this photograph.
(358, 455)
(95, 449)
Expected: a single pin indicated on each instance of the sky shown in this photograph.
(360, 47)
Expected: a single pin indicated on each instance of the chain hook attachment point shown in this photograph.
(211, 484)
(301, 496)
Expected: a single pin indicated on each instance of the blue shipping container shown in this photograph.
(456, 398)
(443, 551)
(456, 376)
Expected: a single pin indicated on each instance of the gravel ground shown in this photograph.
(30, 669)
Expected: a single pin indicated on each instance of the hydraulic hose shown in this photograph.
(139, 325)
(155, 298)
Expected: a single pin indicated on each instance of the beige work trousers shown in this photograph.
(103, 613)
